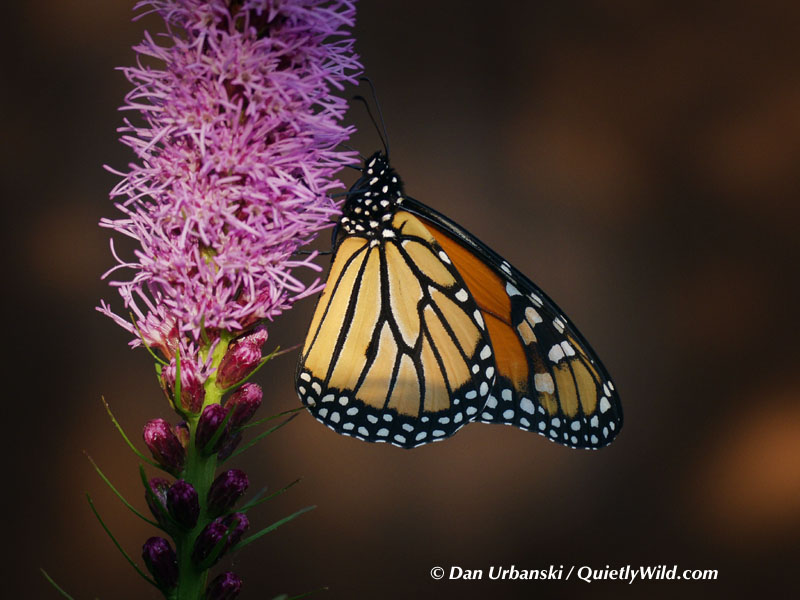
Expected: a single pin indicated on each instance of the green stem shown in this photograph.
(199, 472)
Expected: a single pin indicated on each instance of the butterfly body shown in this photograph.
(422, 329)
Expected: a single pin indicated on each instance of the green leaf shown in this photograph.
(272, 417)
(272, 527)
(120, 496)
(117, 544)
(55, 585)
(127, 440)
(257, 499)
(259, 437)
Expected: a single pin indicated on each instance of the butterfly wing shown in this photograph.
(549, 380)
(398, 349)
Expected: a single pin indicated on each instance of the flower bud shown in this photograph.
(215, 531)
(240, 524)
(237, 363)
(183, 504)
(192, 390)
(182, 431)
(244, 403)
(161, 561)
(164, 445)
(224, 587)
(230, 445)
(210, 421)
(158, 501)
(227, 488)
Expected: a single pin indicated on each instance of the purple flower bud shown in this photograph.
(244, 402)
(210, 421)
(164, 445)
(182, 431)
(192, 390)
(214, 532)
(240, 359)
(240, 524)
(227, 488)
(224, 587)
(230, 446)
(183, 504)
(161, 561)
(158, 501)
(258, 336)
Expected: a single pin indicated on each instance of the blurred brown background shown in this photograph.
(639, 160)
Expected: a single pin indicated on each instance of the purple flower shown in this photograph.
(240, 359)
(192, 390)
(183, 433)
(161, 561)
(164, 445)
(233, 526)
(208, 425)
(227, 488)
(237, 143)
(225, 586)
(244, 402)
(230, 445)
(158, 501)
(183, 504)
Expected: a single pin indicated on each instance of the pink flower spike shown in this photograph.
(237, 133)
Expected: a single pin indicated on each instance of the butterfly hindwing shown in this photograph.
(548, 378)
(398, 350)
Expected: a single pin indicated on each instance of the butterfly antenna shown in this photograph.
(374, 122)
(380, 112)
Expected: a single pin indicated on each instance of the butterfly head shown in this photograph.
(373, 199)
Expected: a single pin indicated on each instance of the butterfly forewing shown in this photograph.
(397, 350)
(548, 378)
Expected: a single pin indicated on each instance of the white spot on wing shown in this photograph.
(526, 405)
(556, 353)
(543, 382)
(532, 316)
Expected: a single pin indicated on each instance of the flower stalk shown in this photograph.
(236, 130)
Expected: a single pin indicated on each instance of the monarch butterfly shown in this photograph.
(422, 329)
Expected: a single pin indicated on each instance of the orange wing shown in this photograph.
(548, 378)
(397, 350)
